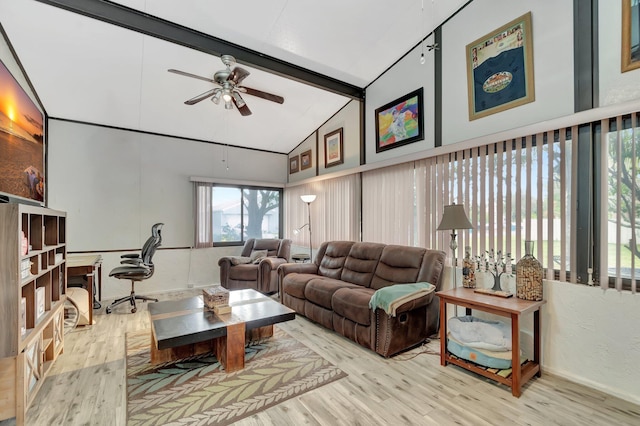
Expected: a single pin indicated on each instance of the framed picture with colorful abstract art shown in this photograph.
(500, 69)
(400, 122)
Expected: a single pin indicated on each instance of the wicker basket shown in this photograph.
(215, 296)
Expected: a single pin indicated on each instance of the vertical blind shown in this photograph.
(335, 213)
(203, 212)
(620, 183)
(512, 191)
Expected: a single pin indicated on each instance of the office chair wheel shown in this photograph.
(133, 310)
(108, 310)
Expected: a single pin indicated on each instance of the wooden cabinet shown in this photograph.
(32, 294)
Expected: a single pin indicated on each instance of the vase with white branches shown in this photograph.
(496, 264)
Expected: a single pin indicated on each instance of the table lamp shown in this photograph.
(454, 217)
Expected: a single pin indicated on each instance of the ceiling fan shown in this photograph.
(230, 81)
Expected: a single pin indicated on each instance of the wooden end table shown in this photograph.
(506, 307)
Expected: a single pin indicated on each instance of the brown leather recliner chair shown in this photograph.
(240, 272)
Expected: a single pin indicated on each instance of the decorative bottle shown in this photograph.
(529, 275)
(468, 270)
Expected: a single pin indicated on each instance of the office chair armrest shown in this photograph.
(130, 256)
(134, 262)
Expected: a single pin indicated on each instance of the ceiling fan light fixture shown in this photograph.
(216, 97)
(239, 101)
(228, 104)
(226, 95)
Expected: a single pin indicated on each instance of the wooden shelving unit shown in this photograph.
(33, 285)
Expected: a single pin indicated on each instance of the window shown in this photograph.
(232, 214)
(620, 196)
(514, 190)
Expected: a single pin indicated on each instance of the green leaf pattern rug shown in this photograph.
(197, 391)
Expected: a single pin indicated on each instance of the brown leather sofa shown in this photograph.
(335, 290)
(261, 274)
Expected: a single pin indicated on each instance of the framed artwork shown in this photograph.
(630, 35)
(333, 149)
(294, 164)
(400, 122)
(500, 69)
(305, 160)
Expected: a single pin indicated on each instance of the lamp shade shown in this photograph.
(454, 217)
(308, 198)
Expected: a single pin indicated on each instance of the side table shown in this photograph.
(300, 257)
(511, 308)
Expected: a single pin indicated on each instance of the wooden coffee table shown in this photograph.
(183, 328)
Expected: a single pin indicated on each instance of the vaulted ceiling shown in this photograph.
(106, 63)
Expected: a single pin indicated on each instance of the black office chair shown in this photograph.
(139, 270)
(136, 258)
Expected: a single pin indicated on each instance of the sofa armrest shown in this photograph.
(269, 264)
(300, 268)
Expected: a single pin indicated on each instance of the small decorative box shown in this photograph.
(215, 296)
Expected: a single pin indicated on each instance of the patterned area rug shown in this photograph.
(198, 391)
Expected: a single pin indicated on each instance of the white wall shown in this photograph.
(114, 184)
(349, 119)
(615, 86)
(405, 77)
(588, 335)
(308, 144)
(552, 58)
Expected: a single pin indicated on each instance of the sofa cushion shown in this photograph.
(295, 283)
(270, 245)
(320, 290)
(398, 264)
(353, 303)
(361, 263)
(248, 272)
(332, 257)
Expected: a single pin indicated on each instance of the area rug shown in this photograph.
(198, 391)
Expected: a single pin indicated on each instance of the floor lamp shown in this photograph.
(307, 199)
(454, 217)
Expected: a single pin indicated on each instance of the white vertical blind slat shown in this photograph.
(550, 215)
(603, 274)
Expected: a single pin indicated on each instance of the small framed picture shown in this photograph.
(305, 160)
(294, 164)
(630, 35)
(333, 149)
(400, 122)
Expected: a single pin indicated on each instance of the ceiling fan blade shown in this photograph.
(244, 109)
(186, 74)
(263, 95)
(201, 97)
(238, 74)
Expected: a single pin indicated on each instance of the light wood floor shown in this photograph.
(87, 387)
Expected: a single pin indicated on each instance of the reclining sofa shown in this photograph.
(336, 288)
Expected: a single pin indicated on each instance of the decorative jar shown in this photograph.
(468, 270)
(529, 275)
